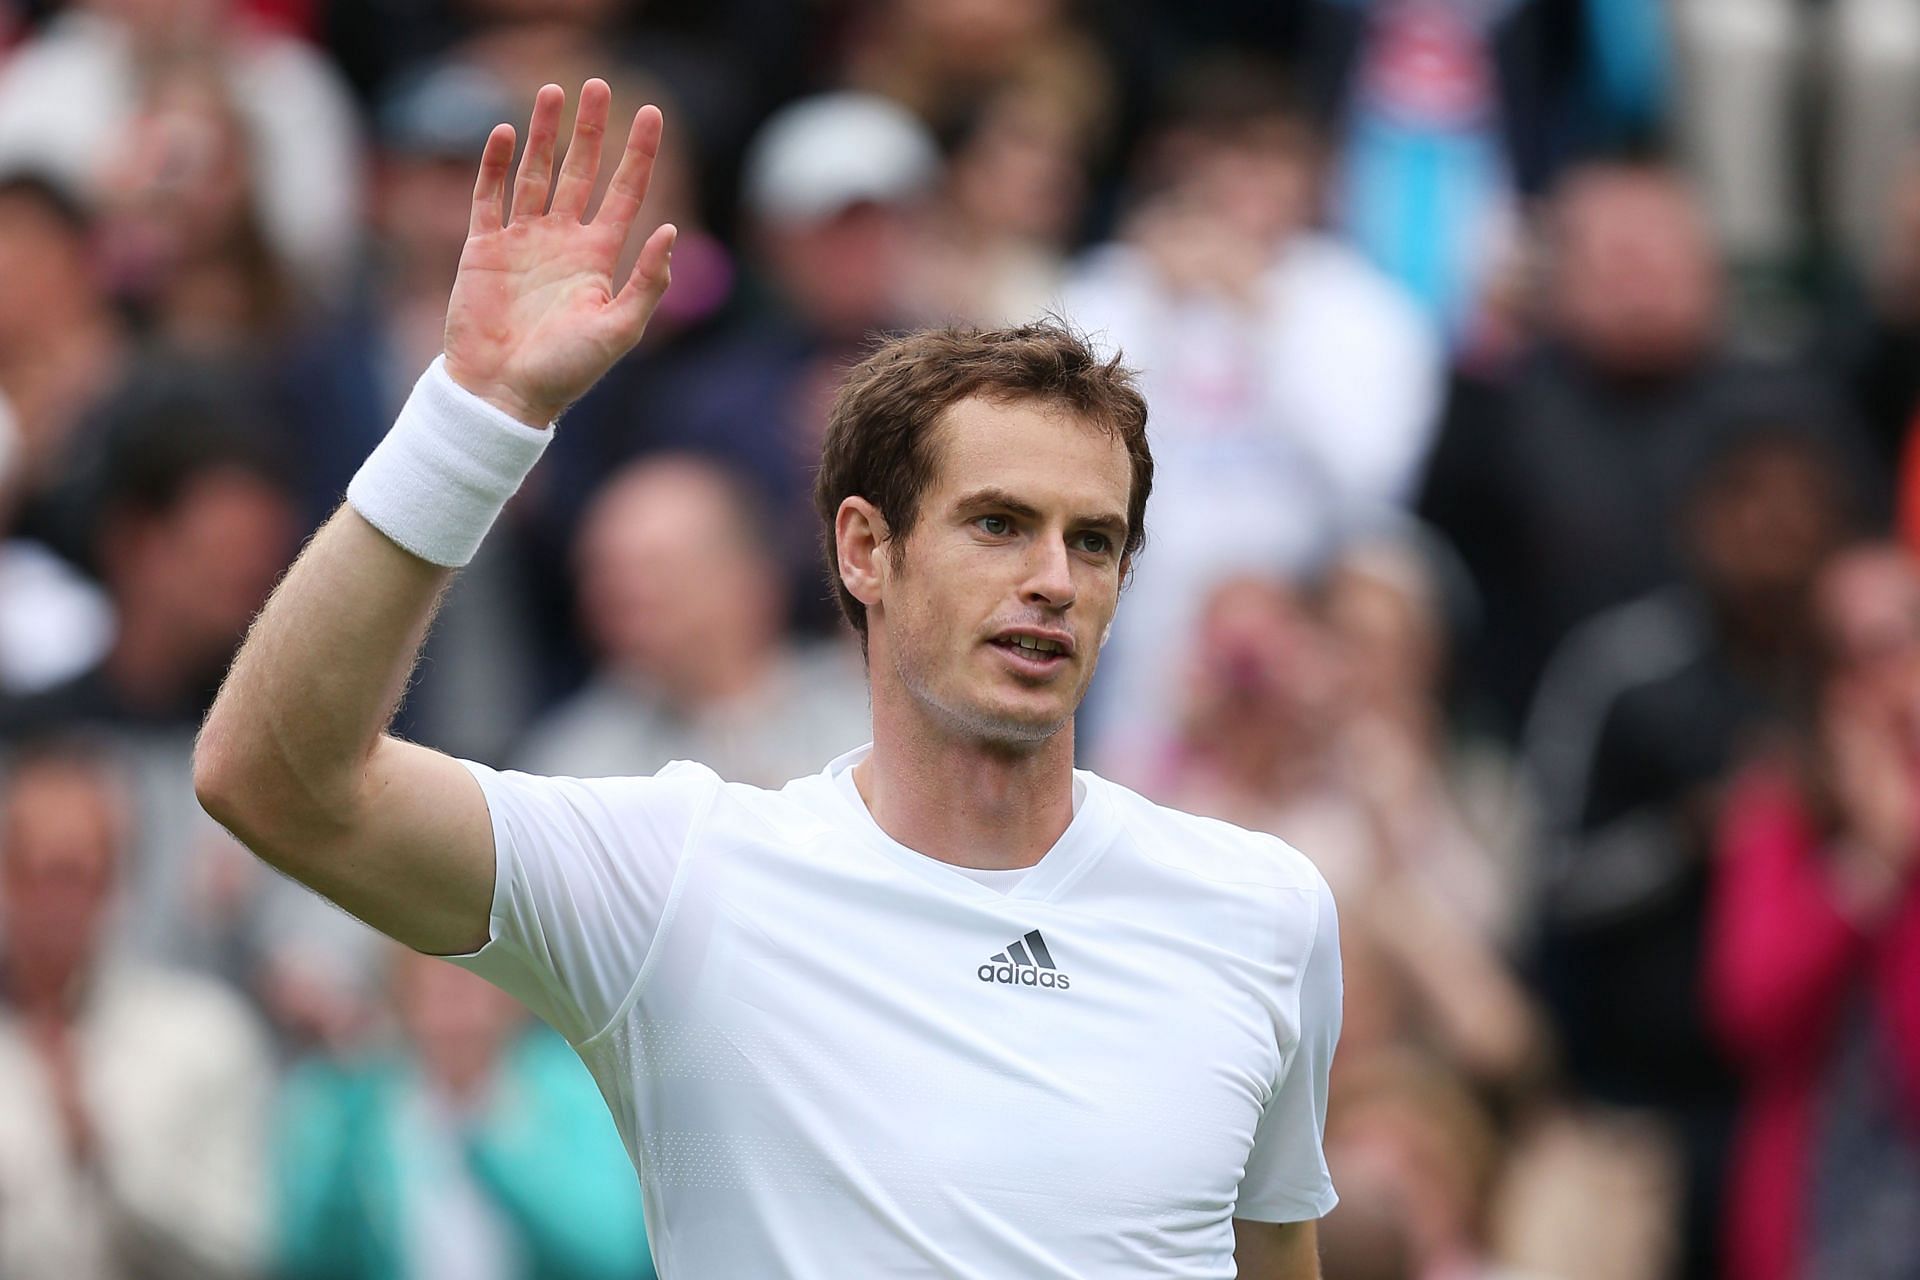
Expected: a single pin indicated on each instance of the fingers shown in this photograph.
(651, 272)
(536, 166)
(490, 188)
(635, 172)
(582, 166)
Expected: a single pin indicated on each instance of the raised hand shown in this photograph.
(536, 316)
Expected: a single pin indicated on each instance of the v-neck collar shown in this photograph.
(1087, 836)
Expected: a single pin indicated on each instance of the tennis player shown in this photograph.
(946, 1008)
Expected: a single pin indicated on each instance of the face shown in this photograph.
(1020, 170)
(182, 184)
(1257, 655)
(1636, 286)
(216, 555)
(63, 826)
(1868, 603)
(1386, 628)
(1018, 544)
(843, 272)
(44, 264)
(421, 209)
(666, 576)
(1763, 531)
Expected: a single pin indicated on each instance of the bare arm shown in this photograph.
(294, 758)
(1276, 1250)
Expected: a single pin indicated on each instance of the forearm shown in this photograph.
(316, 683)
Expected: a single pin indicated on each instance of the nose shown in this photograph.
(1050, 574)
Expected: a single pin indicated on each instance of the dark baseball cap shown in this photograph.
(446, 110)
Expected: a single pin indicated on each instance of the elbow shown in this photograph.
(276, 810)
(216, 781)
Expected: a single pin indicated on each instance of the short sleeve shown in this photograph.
(583, 873)
(1286, 1178)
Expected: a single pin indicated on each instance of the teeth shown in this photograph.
(1035, 643)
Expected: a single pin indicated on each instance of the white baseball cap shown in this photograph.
(817, 156)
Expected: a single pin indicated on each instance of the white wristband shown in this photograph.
(438, 481)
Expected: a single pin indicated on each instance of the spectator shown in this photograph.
(1292, 386)
(348, 373)
(190, 525)
(341, 380)
(1639, 720)
(59, 340)
(478, 1148)
(183, 233)
(528, 43)
(1272, 741)
(132, 1099)
(68, 94)
(943, 60)
(1813, 955)
(1389, 607)
(1451, 114)
(1407, 1133)
(834, 185)
(1578, 457)
(187, 521)
(682, 601)
(995, 244)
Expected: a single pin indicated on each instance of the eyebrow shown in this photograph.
(1109, 522)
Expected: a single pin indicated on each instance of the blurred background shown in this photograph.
(1532, 387)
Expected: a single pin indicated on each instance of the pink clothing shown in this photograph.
(1781, 961)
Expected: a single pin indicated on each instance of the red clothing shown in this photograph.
(1781, 964)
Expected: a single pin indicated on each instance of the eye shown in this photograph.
(1096, 544)
(995, 526)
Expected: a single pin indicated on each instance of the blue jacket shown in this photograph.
(547, 1155)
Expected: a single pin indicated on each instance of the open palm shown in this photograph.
(536, 316)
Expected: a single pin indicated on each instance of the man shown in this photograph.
(1294, 386)
(1559, 479)
(133, 1100)
(683, 603)
(1643, 713)
(946, 1007)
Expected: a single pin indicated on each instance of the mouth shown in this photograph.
(1038, 653)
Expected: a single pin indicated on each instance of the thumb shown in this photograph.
(652, 271)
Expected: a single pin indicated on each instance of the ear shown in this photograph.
(859, 540)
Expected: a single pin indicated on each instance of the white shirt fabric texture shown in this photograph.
(830, 1055)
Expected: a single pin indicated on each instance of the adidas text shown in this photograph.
(1022, 976)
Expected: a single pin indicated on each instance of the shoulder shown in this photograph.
(1210, 849)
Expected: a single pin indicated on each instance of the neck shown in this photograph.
(964, 800)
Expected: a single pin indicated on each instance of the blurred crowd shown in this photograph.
(1532, 387)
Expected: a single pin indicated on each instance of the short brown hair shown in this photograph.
(880, 435)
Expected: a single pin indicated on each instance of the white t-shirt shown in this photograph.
(831, 1056)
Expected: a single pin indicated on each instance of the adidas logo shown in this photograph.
(1025, 963)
